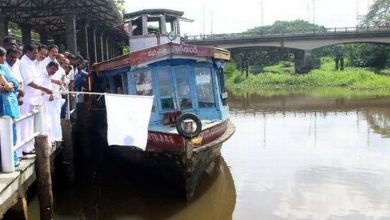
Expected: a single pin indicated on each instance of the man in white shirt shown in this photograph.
(48, 128)
(42, 54)
(57, 86)
(52, 55)
(32, 79)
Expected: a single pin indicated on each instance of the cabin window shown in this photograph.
(125, 83)
(143, 83)
(183, 88)
(204, 87)
(165, 89)
(118, 85)
(153, 27)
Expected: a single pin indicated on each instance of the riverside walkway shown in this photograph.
(13, 186)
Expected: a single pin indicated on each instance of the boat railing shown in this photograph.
(7, 136)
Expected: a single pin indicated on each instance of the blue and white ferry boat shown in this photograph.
(187, 83)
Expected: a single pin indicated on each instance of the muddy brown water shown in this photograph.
(297, 157)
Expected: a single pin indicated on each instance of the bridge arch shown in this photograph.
(301, 44)
(304, 42)
(301, 41)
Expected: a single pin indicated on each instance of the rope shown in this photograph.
(86, 93)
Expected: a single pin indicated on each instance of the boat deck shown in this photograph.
(228, 133)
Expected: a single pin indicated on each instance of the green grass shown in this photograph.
(326, 77)
(282, 67)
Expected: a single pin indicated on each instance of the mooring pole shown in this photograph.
(45, 194)
(68, 161)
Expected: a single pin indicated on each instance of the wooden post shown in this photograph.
(23, 203)
(20, 210)
(68, 150)
(188, 145)
(45, 194)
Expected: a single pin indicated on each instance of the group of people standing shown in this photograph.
(37, 76)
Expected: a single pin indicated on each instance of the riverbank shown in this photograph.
(350, 80)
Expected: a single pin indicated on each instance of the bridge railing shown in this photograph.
(308, 32)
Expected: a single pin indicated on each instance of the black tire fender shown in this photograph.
(182, 131)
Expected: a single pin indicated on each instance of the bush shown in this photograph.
(230, 68)
(352, 78)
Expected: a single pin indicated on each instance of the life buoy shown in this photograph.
(182, 131)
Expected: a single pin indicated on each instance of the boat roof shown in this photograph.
(153, 54)
(153, 12)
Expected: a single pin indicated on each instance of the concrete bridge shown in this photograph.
(303, 40)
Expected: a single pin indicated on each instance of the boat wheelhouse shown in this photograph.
(187, 83)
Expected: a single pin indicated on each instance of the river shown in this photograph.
(292, 157)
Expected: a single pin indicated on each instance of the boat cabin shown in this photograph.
(182, 78)
(151, 27)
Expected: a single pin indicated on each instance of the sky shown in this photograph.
(234, 16)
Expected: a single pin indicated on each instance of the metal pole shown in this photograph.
(314, 12)
(95, 45)
(38, 120)
(357, 13)
(211, 25)
(86, 40)
(67, 117)
(204, 26)
(6, 141)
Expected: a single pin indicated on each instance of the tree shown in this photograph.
(372, 55)
(378, 15)
(287, 27)
(120, 5)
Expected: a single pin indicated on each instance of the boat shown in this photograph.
(190, 117)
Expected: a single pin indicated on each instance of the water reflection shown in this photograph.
(305, 157)
(375, 110)
(379, 121)
(120, 193)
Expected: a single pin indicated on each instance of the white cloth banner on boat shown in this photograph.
(128, 119)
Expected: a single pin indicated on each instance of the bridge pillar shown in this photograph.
(303, 61)
(307, 59)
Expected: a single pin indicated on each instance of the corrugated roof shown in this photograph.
(154, 11)
(51, 14)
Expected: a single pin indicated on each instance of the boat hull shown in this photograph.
(164, 141)
(180, 168)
